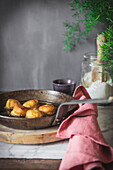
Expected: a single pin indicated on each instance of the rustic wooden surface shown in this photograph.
(36, 164)
(39, 136)
(29, 164)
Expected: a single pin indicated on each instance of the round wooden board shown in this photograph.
(39, 136)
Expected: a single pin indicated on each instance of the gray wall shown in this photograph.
(31, 48)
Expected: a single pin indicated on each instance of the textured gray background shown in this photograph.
(31, 48)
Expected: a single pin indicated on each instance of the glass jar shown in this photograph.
(97, 82)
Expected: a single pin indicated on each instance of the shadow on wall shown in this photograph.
(31, 48)
(8, 9)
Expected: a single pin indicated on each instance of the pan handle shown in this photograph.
(98, 101)
(62, 111)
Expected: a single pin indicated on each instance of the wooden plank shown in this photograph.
(36, 164)
(29, 164)
(39, 136)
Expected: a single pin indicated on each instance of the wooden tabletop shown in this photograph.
(36, 164)
(29, 164)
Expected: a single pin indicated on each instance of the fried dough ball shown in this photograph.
(31, 104)
(47, 109)
(11, 103)
(19, 111)
(33, 114)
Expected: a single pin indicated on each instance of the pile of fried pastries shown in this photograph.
(29, 109)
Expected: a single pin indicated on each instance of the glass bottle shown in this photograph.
(97, 82)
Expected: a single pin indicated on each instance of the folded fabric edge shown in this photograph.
(90, 161)
(81, 91)
(92, 139)
(86, 163)
(93, 165)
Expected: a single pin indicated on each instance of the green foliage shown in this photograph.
(107, 55)
(89, 13)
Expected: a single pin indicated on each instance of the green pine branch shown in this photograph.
(89, 13)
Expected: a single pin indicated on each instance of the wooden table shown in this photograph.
(35, 164)
(105, 120)
(29, 164)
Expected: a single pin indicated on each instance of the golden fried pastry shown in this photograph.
(11, 103)
(31, 104)
(47, 109)
(33, 113)
(19, 111)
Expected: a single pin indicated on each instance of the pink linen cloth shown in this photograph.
(87, 147)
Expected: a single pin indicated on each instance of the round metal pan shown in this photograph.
(54, 97)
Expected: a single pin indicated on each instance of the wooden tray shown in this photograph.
(39, 136)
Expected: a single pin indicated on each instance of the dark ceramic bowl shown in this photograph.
(64, 85)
